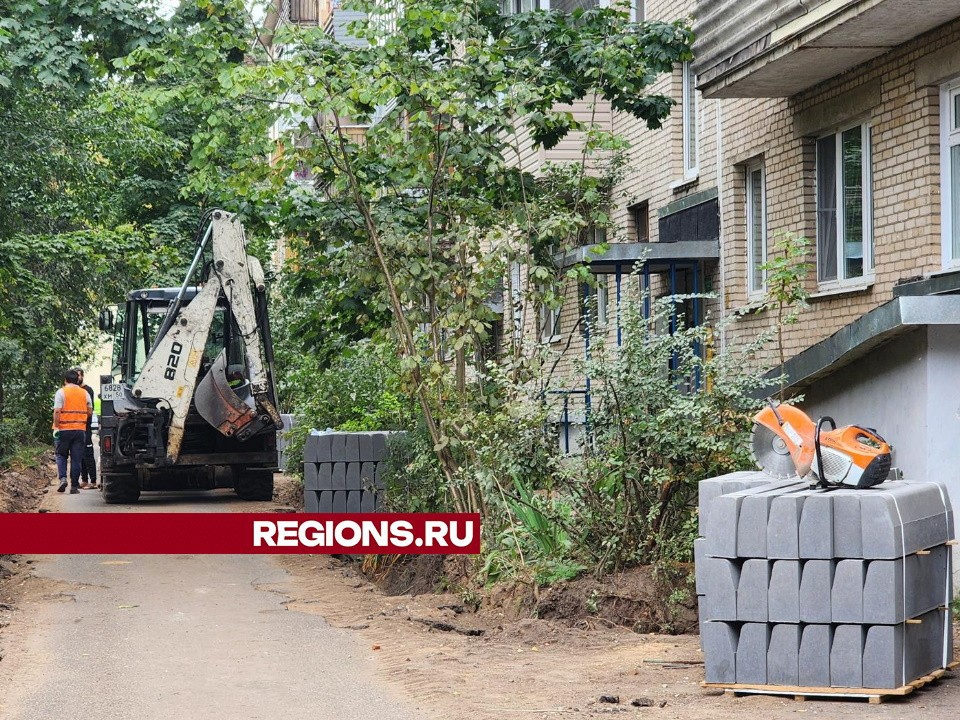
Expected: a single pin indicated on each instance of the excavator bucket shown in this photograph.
(220, 406)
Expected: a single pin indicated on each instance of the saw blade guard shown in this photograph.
(783, 432)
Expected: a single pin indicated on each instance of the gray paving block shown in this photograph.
(814, 660)
(712, 488)
(719, 578)
(722, 533)
(325, 501)
(847, 533)
(354, 501)
(889, 598)
(353, 476)
(783, 527)
(368, 501)
(816, 527)
(338, 447)
(700, 560)
(351, 447)
(883, 665)
(816, 583)
(752, 591)
(719, 643)
(846, 656)
(310, 476)
(899, 518)
(846, 596)
(752, 526)
(311, 501)
(379, 446)
(338, 478)
(368, 475)
(339, 501)
(380, 475)
(752, 653)
(316, 448)
(783, 597)
(783, 655)
(926, 645)
(325, 476)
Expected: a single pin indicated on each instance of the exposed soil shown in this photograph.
(22, 488)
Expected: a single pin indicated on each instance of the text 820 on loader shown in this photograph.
(192, 400)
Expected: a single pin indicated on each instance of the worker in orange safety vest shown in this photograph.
(71, 408)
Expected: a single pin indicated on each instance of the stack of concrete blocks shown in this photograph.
(343, 472)
(806, 587)
(283, 442)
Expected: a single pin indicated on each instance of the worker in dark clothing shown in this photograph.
(88, 468)
(72, 409)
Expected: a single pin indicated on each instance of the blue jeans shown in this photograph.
(71, 444)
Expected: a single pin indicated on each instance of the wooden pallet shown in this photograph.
(801, 693)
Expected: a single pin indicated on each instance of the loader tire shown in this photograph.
(255, 484)
(120, 488)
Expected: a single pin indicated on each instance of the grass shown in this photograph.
(26, 456)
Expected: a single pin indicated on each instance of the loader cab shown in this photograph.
(138, 321)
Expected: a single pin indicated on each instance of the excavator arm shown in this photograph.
(174, 362)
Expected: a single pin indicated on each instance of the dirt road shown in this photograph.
(246, 637)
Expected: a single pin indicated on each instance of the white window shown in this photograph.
(637, 11)
(844, 206)
(950, 173)
(549, 323)
(690, 146)
(514, 7)
(603, 298)
(756, 230)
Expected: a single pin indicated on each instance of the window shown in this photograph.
(549, 323)
(950, 172)
(637, 11)
(515, 7)
(603, 298)
(640, 214)
(568, 6)
(844, 206)
(690, 148)
(756, 213)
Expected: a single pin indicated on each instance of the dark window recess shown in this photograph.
(640, 215)
(700, 222)
(568, 6)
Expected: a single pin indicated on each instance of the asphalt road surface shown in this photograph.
(180, 637)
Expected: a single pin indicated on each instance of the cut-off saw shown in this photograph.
(786, 444)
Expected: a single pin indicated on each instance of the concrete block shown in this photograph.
(816, 527)
(368, 501)
(898, 518)
(883, 665)
(354, 501)
(752, 526)
(325, 476)
(325, 501)
(719, 579)
(380, 476)
(379, 446)
(816, 584)
(846, 656)
(338, 478)
(719, 643)
(752, 591)
(783, 597)
(338, 447)
(783, 527)
(339, 501)
(752, 653)
(889, 598)
(310, 476)
(353, 476)
(722, 534)
(316, 448)
(846, 596)
(847, 533)
(783, 655)
(700, 560)
(926, 644)
(351, 447)
(367, 475)
(814, 660)
(712, 488)
(311, 501)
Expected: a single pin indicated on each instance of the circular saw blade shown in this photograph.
(771, 453)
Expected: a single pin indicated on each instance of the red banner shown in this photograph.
(137, 533)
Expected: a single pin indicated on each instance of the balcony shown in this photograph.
(777, 48)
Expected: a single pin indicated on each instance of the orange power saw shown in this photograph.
(786, 443)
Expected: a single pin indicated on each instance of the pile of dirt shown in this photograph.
(22, 488)
(288, 492)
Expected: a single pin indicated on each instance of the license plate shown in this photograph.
(111, 391)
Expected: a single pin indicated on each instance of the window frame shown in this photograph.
(690, 126)
(749, 206)
(866, 180)
(638, 210)
(948, 91)
(548, 318)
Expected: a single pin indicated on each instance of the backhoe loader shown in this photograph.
(191, 402)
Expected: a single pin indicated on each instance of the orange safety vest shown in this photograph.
(73, 414)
